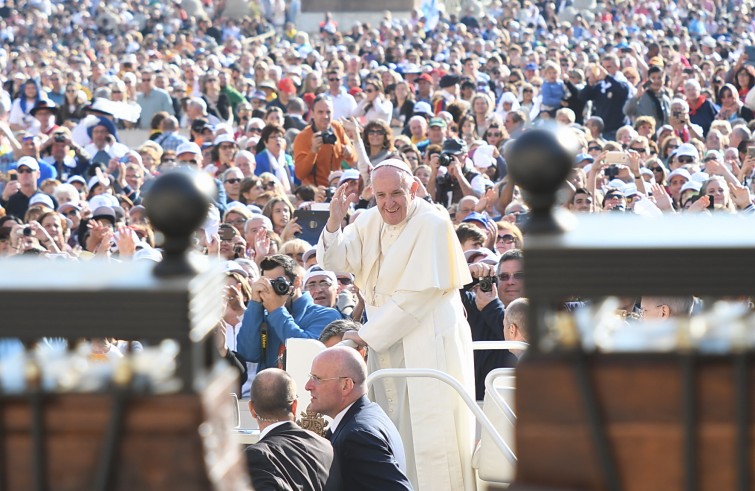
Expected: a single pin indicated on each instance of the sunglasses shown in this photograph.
(344, 281)
(269, 185)
(233, 180)
(656, 169)
(528, 90)
(685, 160)
(332, 79)
(506, 239)
(227, 146)
(254, 130)
(594, 149)
(24, 170)
(71, 213)
(369, 91)
(495, 133)
(506, 277)
(376, 132)
(638, 150)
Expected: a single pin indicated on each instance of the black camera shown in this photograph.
(27, 231)
(281, 285)
(328, 136)
(329, 192)
(59, 137)
(486, 284)
(445, 159)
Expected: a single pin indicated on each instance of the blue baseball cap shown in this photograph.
(476, 217)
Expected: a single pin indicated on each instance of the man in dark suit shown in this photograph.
(286, 457)
(368, 453)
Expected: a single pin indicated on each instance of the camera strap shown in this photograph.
(263, 338)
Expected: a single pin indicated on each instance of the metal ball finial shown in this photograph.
(177, 205)
(539, 162)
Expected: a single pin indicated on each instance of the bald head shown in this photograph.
(337, 380)
(348, 363)
(273, 394)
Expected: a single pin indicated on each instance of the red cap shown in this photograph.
(426, 77)
(309, 98)
(287, 85)
(355, 91)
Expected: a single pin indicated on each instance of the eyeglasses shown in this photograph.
(227, 146)
(594, 149)
(495, 134)
(656, 169)
(188, 162)
(506, 239)
(376, 132)
(527, 90)
(254, 130)
(233, 180)
(269, 185)
(168, 161)
(146, 80)
(345, 281)
(237, 221)
(71, 213)
(317, 380)
(212, 80)
(685, 159)
(638, 150)
(506, 277)
(322, 284)
(24, 170)
(116, 92)
(332, 79)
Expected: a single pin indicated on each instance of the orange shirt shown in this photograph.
(313, 168)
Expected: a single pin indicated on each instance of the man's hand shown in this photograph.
(290, 230)
(741, 197)
(434, 164)
(234, 299)
(355, 337)
(316, 142)
(271, 300)
(257, 288)
(661, 197)
(126, 242)
(11, 188)
(220, 331)
(339, 207)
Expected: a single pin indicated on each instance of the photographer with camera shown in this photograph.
(485, 313)
(322, 146)
(455, 181)
(279, 310)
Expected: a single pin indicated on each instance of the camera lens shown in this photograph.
(27, 231)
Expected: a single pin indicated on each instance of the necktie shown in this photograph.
(328, 434)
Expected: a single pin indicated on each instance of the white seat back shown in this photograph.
(498, 406)
(299, 355)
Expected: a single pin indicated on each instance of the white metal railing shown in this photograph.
(460, 390)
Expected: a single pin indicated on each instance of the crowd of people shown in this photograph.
(659, 97)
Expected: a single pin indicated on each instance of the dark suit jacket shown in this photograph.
(289, 458)
(364, 446)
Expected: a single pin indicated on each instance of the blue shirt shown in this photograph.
(306, 320)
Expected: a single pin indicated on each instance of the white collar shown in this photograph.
(267, 430)
(339, 417)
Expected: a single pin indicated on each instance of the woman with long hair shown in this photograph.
(375, 106)
(732, 107)
(217, 101)
(20, 118)
(482, 108)
(402, 99)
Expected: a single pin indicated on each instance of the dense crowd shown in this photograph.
(658, 95)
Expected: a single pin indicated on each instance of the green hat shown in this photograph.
(438, 122)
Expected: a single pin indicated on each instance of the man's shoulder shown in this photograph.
(319, 310)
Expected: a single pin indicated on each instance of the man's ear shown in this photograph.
(251, 410)
(298, 282)
(415, 187)
(294, 406)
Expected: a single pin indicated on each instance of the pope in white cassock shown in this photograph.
(409, 267)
